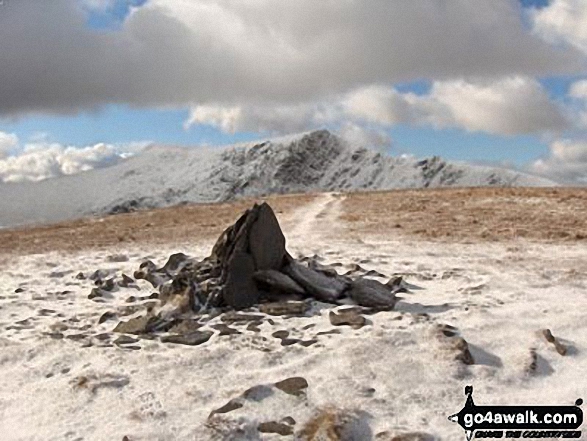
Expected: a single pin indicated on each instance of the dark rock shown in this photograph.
(236, 317)
(174, 262)
(19, 290)
(76, 337)
(99, 275)
(125, 340)
(289, 341)
(240, 290)
(293, 386)
(289, 420)
(548, 335)
(117, 258)
(258, 393)
(126, 281)
(560, 348)
(280, 334)
(347, 317)
(193, 339)
(80, 276)
(109, 315)
(308, 343)
(331, 332)
(371, 294)
(225, 329)
(322, 287)
(275, 427)
(463, 353)
(254, 326)
(266, 240)
(97, 293)
(228, 407)
(284, 308)
(185, 327)
(137, 325)
(278, 281)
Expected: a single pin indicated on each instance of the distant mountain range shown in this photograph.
(164, 176)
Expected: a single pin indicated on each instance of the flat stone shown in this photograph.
(331, 332)
(275, 427)
(254, 327)
(185, 327)
(308, 343)
(228, 407)
(351, 318)
(278, 281)
(320, 286)
(293, 386)
(280, 334)
(371, 294)
(225, 329)
(194, 339)
(137, 325)
(284, 308)
(125, 340)
(289, 341)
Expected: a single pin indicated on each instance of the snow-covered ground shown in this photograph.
(399, 372)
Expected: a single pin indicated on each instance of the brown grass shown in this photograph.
(465, 215)
(167, 225)
(462, 215)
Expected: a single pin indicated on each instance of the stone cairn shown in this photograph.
(250, 267)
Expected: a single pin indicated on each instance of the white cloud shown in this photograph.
(563, 21)
(42, 160)
(579, 90)
(567, 162)
(182, 52)
(8, 141)
(510, 106)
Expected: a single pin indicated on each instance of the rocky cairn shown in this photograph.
(249, 266)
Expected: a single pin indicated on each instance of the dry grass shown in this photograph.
(465, 215)
(462, 215)
(167, 225)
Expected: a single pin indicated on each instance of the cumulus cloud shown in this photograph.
(8, 141)
(563, 21)
(567, 162)
(509, 106)
(186, 52)
(42, 160)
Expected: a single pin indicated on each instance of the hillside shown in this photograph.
(166, 176)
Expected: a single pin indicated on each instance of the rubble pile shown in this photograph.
(249, 266)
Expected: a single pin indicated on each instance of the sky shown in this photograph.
(84, 83)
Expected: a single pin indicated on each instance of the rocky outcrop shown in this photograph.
(248, 267)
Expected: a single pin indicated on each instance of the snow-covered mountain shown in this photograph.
(164, 176)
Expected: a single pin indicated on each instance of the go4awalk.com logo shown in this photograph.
(519, 421)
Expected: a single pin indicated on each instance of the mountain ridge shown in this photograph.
(308, 162)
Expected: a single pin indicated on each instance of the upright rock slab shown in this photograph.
(254, 243)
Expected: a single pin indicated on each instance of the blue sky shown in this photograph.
(424, 129)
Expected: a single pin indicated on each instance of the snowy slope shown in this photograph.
(163, 176)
